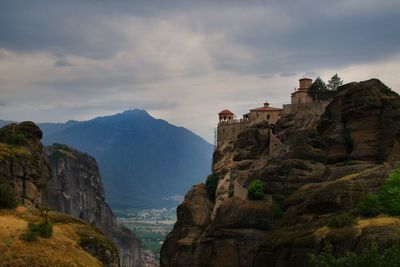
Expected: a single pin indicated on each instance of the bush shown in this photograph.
(387, 200)
(17, 140)
(369, 206)
(8, 197)
(342, 220)
(35, 230)
(256, 190)
(211, 186)
(369, 257)
(389, 194)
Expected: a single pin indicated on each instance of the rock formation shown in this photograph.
(330, 162)
(76, 188)
(23, 163)
(24, 166)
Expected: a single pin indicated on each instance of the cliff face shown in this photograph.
(22, 161)
(76, 188)
(24, 165)
(327, 164)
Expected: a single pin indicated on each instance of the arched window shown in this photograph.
(268, 117)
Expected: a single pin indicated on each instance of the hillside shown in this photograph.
(329, 186)
(142, 160)
(73, 243)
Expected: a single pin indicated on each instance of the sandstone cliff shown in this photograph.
(76, 188)
(24, 166)
(23, 163)
(329, 162)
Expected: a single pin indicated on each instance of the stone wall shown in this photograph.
(315, 108)
(228, 131)
(276, 147)
(239, 190)
(271, 117)
(301, 97)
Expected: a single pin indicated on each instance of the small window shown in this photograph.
(268, 117)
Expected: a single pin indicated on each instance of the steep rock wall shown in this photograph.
(76, 188)
(23, 163)
(331, 162)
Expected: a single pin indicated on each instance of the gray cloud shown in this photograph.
(62, 62)
(176, 57)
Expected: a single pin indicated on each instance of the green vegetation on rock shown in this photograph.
(8, 199)
(17, 140)
(334, 83)
(321, 91)
(42, 229)
(389, 194)
(318, 90)
(256, 190)
(372, 256)
(387, 200)
(341, 220)
(369, 206)
(211, 186)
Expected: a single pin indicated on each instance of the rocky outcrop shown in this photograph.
(23, 163)
(76, 188)
(332, 160)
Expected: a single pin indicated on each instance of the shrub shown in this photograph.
(211, 186)
(371, 256)
(8, 198)
(256, 190)
(369, 206)
(35, 230)
(389, 194)
(341, 220)
(17, 140)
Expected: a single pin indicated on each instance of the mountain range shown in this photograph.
(144, 161)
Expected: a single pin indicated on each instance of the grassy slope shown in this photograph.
(62, 249)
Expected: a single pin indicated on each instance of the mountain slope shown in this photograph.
(141, 159)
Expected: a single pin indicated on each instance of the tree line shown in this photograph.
(319, 90)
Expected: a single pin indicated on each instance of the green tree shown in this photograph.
(256, 190)
(334, 83)
(318, 89)
(211, 186)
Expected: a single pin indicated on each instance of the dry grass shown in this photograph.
(62, 249)
(378, 221)
(356, 175)
(8, 151)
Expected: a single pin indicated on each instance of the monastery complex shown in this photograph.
(229, 127)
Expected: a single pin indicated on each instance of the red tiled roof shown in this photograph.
(226, 112)
(266, 109)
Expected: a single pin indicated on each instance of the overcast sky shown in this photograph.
(184, 61)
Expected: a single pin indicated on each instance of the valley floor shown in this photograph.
(151, 226)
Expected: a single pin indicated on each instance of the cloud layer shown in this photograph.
(184, 60)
